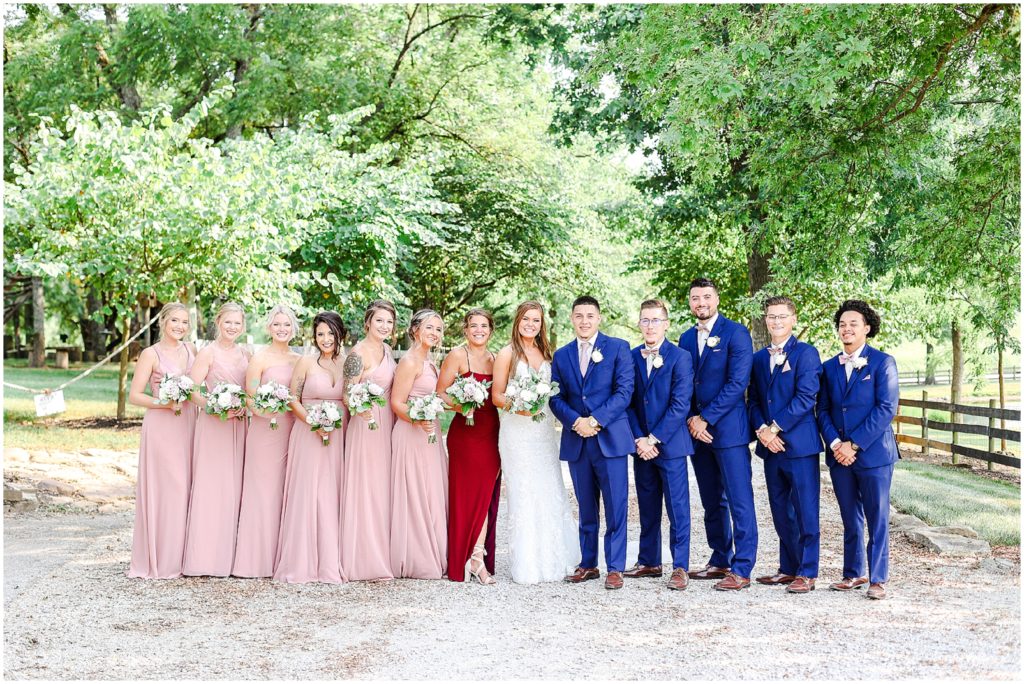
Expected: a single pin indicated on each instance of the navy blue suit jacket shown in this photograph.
(661, 403)
(788, 396)
(603, 394)
(720, 379)
(862, 409)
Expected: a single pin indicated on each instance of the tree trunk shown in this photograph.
(758, 277)
(127, 92)
(92, 331)
(135, 348)
(122, 373)
(16, 324)
(38, 356)
(957, 374)
(929, 363)
(1002, 395)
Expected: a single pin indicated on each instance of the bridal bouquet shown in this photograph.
(324, 416)
(272, 397)
(363, 396)
(175, 388)
(224, 398)
(426, 408)
(468, 394)
(529, 393)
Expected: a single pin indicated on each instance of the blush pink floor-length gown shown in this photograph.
(366, 512)
(419, 495)
(217, 458)
(161, 493)
(266, 455)
(308, 548)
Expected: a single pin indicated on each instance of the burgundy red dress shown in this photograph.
(474, 485)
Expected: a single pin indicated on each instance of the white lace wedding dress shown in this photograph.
(543, 536)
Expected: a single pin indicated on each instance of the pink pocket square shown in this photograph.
(786, 368)
(866, 377)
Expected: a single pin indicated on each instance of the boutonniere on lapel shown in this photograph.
(859, 362)
(658, 362)
(596, 356)
(779, 359)
(713, 341)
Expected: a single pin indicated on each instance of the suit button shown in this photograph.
(585, 398)
(769, 401)
(844, 410)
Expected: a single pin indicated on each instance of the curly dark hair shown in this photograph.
(871, 317)
(337, 328)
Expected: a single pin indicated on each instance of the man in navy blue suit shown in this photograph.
(662, 387)
(723, 353)
(595, 377)
(856, 406)
(783, 393)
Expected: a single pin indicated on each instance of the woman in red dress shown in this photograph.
(474, 467)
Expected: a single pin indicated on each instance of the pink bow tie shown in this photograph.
(843, 358)
(646, 352)
(774, 350)
(703, 328)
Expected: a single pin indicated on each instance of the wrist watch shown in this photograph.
(774, 428)
(854, 447)
(592, 422)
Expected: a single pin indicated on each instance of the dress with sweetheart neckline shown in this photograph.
(543, 536)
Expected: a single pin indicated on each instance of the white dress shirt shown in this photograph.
(702, 337)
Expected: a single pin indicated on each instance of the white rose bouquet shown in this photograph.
(324, 416)
(468, 394)
(175, 388)
(363, 396)
(428, 407)
(530, 394)
(224, 398)
(273, 397)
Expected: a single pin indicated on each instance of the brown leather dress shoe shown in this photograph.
(847, 584)
(643, 571)
(777, 578)
(801, 585)
(876, 591)
(733, 582)
(710, 572)
(613, 580)
(582, 575)
(679, 580)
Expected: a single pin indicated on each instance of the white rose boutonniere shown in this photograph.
(779, 359)
(713, 341)
(596, 356)
(859, 362)
(658, 362)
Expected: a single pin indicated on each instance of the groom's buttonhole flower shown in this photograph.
(596, 356)
(713, 341)
(658, 362)
(860, 362)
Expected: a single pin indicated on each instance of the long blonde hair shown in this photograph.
(518, 348)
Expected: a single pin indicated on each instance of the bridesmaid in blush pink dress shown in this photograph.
(266, 452)
(366, 513)
(165, 451)
(419, 478)
(308, 548)
(217, 454)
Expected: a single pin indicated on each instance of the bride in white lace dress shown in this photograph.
(543, 536)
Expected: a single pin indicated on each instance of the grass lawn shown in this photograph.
(947, 496)
(91, 400)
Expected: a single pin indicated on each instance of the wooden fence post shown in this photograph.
(992, 404)
(925, 449)
(952, 419)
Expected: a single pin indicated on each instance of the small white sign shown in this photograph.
(49, 404)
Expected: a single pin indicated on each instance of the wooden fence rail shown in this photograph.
(957, 429)
(944, 377)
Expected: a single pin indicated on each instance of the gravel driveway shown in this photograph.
(70, 613)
